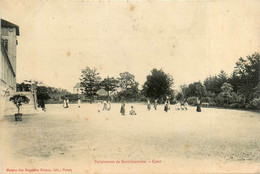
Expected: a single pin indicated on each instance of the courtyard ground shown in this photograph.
(80, 140)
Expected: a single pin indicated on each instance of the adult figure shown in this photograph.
(105, 105)
(109, 105)
(166, 106)
(155, 104)
(198, 106)
(148, 105)
(64, 103)
(122, 109)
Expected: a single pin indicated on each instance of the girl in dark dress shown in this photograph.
(122, 110)
(198, 106)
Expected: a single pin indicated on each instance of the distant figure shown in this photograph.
(155, 104)
(148, 105)
(168, 104)
(186, 105)
(79, 102)
(64, 103)
(178, 106)
(67, 103)
(99, 106)
(198, 106)
(122, 110)
(41, 104)
(105, 105)
(132, 111)
(109, 105)
(182, 106)
(166, 107)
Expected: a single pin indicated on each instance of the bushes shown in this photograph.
(192, 101)
(254, 104)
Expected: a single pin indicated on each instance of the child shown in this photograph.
(132, 112)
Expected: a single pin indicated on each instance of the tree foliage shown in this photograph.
(110, 84)
(128, 86)
(18, 100)
(158, 84)
(90, 79)
(245, 77)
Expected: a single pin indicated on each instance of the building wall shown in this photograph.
(78, 90)
(7, 77)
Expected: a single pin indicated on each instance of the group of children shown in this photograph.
(106, 106)
(122, 109)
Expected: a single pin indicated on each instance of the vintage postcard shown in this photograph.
(121, 86)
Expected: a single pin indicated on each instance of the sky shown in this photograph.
(188, 39)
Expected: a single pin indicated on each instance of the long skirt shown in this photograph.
(198, 108)
(166, 108)
(122, 110)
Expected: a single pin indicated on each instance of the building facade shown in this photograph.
(78, 89)
(9, 33)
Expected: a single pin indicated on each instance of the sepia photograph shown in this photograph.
(129, 87)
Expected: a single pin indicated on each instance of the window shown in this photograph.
(5, 43)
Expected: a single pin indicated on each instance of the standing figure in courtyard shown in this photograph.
(166, 107)
(198, 106)
(64, 103)
(155, 104)
(122, 110)
(105, 105)
(67, 103)
(109, 105)
(148, 105)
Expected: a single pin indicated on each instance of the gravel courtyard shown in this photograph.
(80, 140)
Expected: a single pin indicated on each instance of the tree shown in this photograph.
(195, 89)
(128, 86)
(90, 79)
(245, 77)
(158, 84)
(18, 100)
(179, 97)
(109, 84)
(226, 93)
(42, 93)
(213, 83)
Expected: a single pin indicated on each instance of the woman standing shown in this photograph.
(122, 110)
(148, 105)
(166, 106)
(105, 105)
(198, 106)
(109, 105)
(155, 104)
